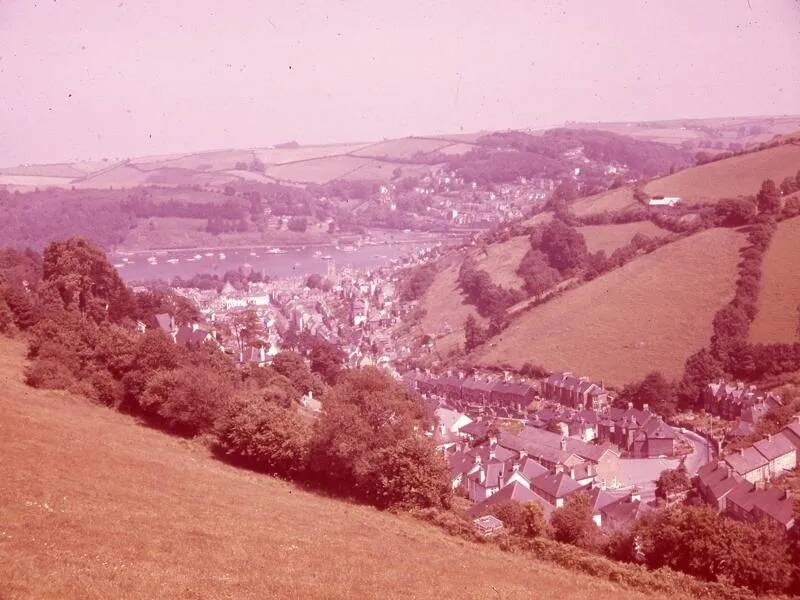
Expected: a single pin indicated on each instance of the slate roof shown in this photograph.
(557, 485)
(514, 492)
(746, 460)
(720, 479)
(775, 446)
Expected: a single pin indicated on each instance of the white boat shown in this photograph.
(119, 265)
(221, 256)
(125, 260)
(318, 253)
(209, 254)
(326, 257)
(253, 254)
(172, 260)
(276, 251)
(197, 257)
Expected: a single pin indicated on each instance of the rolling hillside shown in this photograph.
(736, 176)
(778, 318)
(652, 313)
(95, 506)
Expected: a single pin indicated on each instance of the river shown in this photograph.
(291, 261)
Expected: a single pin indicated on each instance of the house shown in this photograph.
(715, 481)
(792, 432)
(475, 391)
(450, 421)
(654, 438)
(191, 336)
(669, 201)
(598, 500)
(780, 452)
(555, 487)
(730, 401)
(749, 464)
(512, 395)
(569, 390)
(515, 492)
(620, 515)
(752, 504)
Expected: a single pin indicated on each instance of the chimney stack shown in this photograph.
(564, 444)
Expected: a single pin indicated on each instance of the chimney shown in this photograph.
(482, 475)
(523, 454)
(741, 451)
(630, 405)
(563, 444)
(492, 453)
(572, 472)
(646, 407)
(769, 437)
(787, 494)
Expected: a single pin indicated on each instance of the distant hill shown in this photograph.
(97, 506)
(707, 183)
(652, 313)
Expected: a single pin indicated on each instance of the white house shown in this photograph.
(664, 201)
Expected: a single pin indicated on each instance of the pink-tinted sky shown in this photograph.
(111, 78)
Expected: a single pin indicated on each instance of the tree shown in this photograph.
(21, 305)
(366, 418)
(701, 368)
(326, 360)
(654, 391)
(247, 328)
(533, 519)
(671, 482)
(564, 246)
(412, 475)
(769, 197)
(474, 334)
(187, 400)
(86, 281)
(536, 272)
(264, 435)
(735, 211)
(573, 523)
(6, 318)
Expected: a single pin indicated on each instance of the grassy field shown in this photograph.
(778, 318)
(319, 170)
(95, 506)
(501, 261)
(612, 200)
(736, 176)
(445, 309)
(277, 156)
(652, 313)
(404, 148)
(611, 237)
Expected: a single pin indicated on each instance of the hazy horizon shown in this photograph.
(113, 80)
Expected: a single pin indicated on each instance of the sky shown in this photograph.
(96, 79)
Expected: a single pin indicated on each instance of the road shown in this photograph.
(643, 472)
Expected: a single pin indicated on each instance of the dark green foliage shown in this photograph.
(654, 391)
(573, 523)
(415, 282)
(264, 435)
(734, 212)
(327, 361)
(671, 482)
(700, 542)
(769, 198)
(365, 444)
(700, 369)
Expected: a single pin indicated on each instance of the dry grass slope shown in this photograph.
(778, 318)
(652, 313)
(501, 261)
(613, 200)
(94, 506)
(445, 309)
(611, 237)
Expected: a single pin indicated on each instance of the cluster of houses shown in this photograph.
(640, 433)
(744, 405)
(537, 466)
(354, 310)
(735, 484)
(480, 395)
(578, 408)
